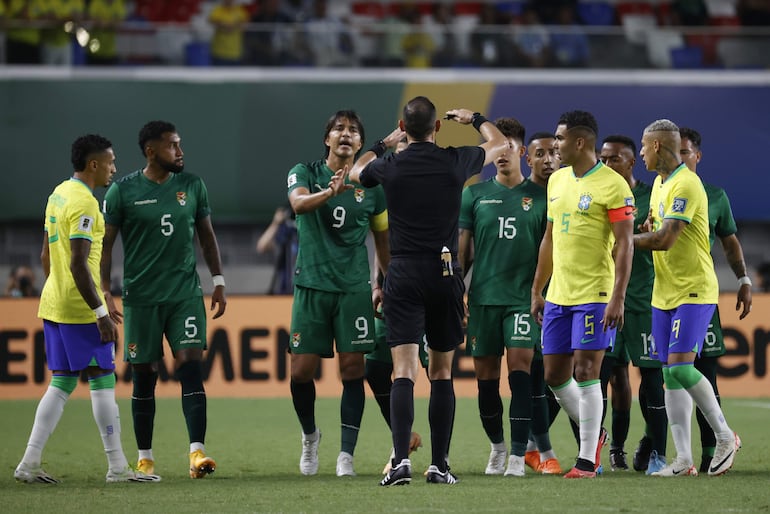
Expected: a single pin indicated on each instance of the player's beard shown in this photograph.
(169, 166)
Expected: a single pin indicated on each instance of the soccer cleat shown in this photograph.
(345, 465)
(129, 475)
(146, 466)
(515, 466)
(496, 464)
(677, 468)
(308, 461)
(602, 442)
(724, 455)
(642, 454)
(579, 473)
(33, 476)
(434, 476)
(532, 459)
(657, 463)
(550, 467)
(200, 465)
(398, 475)
(618, 460)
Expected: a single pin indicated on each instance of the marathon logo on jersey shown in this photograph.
(585, 201)
(181, 197)
(526, 203)
(295, 339)
(359, 195)
(291, 180)
(131, 350)
(680, 204)
(85, 224)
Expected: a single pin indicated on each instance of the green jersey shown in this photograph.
(157, 225)
(721, 221)
(508, 225)
(332, 251)
(639, 292)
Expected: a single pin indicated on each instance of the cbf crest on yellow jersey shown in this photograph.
(579, 208)
(72, 213)
(685, 272)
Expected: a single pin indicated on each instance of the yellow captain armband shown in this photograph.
(379, 222)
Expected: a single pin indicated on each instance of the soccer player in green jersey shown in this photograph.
(722, 225)
(684, 295)
(502, 221)
(79, 333)
(158, 210)
(589, 207)
(633, 340)
(333, 297)
(543, 160)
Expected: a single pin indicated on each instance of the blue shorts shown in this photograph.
(575, 327)
(73, 347)
(680, 330)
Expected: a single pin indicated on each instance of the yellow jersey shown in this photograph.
(580, 210)
(72, 212)
(685, 272)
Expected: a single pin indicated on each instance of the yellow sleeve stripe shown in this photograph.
(379, 222)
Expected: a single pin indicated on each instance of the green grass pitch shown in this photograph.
(256, 444)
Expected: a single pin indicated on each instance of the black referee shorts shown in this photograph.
(419, 300)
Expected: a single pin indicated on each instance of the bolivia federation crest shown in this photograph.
(526, 203)
(585, 201)
(181, 197)
(131, 350)
(359, 195)
(295, 337)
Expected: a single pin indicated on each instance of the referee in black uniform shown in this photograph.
(424, 287)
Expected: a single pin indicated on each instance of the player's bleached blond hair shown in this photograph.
(662, 125)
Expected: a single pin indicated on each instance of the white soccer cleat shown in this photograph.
(129, 475)
(33, 476)
(308, 462)
(515, 466)
(345, 465)
(724, 455)
(677, 468)
(496, 464)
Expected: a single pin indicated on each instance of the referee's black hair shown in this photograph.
(623, 140)
(85, 147)
(153, 131)
(419, 118)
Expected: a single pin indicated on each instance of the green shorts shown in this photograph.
(493, 328)
(320, 318)
(714, 343)
(381, 350)
(633, 342)
(183, 323)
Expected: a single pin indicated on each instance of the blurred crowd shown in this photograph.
(413, 34)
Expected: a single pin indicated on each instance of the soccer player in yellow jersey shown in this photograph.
(79, 332)
(684, 295)
(589, 207)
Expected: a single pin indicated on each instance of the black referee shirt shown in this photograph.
(423, 189)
